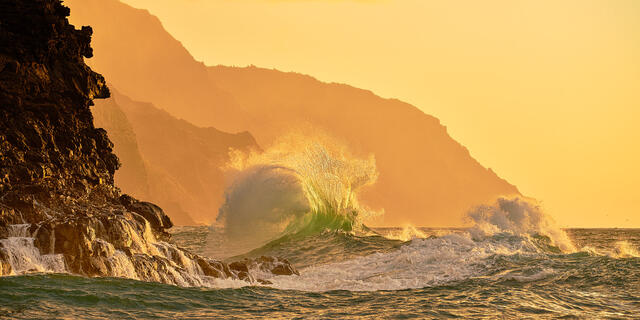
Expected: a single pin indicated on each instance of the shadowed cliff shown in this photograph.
(426, 177)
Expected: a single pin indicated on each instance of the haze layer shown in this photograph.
(425, 178)
(544, 92)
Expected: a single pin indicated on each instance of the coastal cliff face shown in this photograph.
(59, 208)
(426, 177)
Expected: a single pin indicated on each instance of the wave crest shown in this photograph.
(299, 186)
(521, 217)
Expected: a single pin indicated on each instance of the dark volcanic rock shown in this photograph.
(59, 208)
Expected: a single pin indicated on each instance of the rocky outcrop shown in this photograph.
(50, 153)
(248, 269)
(59, 208)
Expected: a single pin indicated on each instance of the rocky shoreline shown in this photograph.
(59, 208)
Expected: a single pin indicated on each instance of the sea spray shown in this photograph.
(518, 216)
(24, 257)
(407, 233)
(299, 186)
(620, 249)
(512, 229)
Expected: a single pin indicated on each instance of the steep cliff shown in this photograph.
(172, 162)
(426, 177)
(59, 208)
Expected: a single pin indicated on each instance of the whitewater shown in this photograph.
(299, 200)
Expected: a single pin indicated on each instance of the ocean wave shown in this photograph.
(298, 187)
(417, 264)
(509, 227)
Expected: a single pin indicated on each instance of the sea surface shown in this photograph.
(389, 273)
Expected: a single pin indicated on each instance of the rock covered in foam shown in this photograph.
(273, 265)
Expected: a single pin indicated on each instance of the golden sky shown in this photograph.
(547, 93)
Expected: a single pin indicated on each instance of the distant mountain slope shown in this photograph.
(147, 64)
(168, 160)
(132, 175)
(426, 177)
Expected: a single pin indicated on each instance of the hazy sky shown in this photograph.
(547, 93)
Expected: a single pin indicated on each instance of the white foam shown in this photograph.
(625, 249)
(421, 263)
(24, 257)
(122, 266)
(18, 230)
(407, 233)
(622, 249)
(518, 216)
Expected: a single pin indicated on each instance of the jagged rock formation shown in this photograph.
(426, 177)
(166, 160)
(59, 208)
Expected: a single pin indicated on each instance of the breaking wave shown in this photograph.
(521, 217)
(299, 200)
(296, 188)
(512, 229)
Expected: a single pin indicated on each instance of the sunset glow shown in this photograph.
(545, 93)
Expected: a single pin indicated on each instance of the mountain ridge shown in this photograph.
(426, 177)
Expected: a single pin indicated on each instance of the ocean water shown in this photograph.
(389, 273)
(300, 202)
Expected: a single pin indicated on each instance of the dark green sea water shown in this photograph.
(448, 275)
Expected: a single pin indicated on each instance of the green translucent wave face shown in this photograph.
(298, 192)
(318, 222)
(330, 184)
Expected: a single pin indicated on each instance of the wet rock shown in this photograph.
(277, 266)
(240, 266)
(154, 214)
(245, 276)
(214, 269)
(273, 265)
